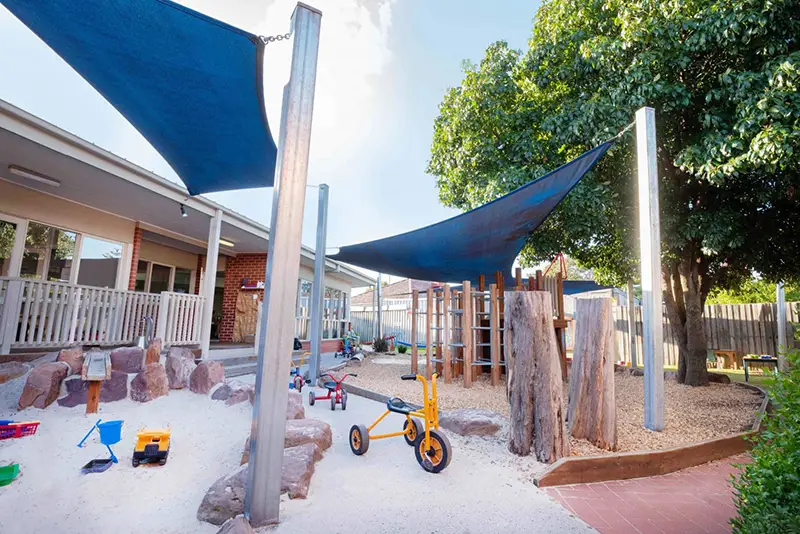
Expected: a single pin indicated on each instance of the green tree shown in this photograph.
(752, 290)
(723, 78)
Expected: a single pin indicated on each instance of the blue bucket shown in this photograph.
(110, 432)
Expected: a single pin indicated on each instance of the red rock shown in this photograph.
(153, 351)
(43, 385)
(237, 525)
(239, 394)
(294, 406)
(471, 422)
(302, 431)
(206, 375)
(150, 384)
(298, 468)
(127, 359)
(72, 357)
(114, 389)
(182, 352)
(179, 369)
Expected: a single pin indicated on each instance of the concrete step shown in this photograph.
(239, 370)
(239, 360)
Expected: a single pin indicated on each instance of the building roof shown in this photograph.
(397, 290)
(94, 177)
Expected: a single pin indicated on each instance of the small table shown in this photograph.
(748, 361)
(726, 354)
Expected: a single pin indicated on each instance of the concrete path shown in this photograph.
(695, 500)
(483, 490)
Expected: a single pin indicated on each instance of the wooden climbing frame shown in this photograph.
(463, 335)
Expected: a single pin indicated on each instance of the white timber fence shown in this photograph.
(180, 318)
(37, 314)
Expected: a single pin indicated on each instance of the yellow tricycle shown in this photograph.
(431, 447)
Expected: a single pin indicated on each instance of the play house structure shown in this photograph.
(465, 334)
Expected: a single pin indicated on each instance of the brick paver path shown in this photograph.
(695, 500)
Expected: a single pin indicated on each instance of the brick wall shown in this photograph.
(252, 266)
(327, 345)
(201, 264)
(137, 243)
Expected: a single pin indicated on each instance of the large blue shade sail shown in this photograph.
(190, 84)
(481, 241)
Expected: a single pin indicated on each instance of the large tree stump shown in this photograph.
(592, 411)
(534, 377)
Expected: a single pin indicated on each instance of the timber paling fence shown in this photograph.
(743, 328)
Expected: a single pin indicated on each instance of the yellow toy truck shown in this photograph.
(151, 446)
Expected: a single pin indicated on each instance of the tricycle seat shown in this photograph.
(398, 406)
(330, 385)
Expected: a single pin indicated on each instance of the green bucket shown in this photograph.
(8, 473)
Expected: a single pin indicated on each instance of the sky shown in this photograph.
(384, 66)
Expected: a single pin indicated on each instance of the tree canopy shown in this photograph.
(723, 77)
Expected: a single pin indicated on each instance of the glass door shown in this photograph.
(12, 236)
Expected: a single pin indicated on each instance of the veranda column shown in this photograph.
(209, 281)
(262, 500)
(780, 299)
(318, 289)
(650, 240)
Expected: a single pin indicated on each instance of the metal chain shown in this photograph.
(272, 38)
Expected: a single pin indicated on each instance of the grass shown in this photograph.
(756, 378)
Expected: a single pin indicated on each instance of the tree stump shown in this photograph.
(534, 377)
(592, 411)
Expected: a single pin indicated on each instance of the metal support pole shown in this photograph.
(262, 501)
(379, 292)
(209, 284)
(780, 298)
(318, 290)
(650, 240)
(632, 325)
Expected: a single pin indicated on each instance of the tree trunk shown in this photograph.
(592, 411)
(534, 377)
(684, 299)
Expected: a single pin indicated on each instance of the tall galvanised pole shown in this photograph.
(262, 501)
(650, 242)
(318, 289)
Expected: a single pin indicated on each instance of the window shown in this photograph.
(141, 275)
(159, 278)
(48, 253)
(8, 232)
(99, 262)
(183, 281)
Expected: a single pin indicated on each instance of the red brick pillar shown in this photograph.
(201, 264)
(137, 243)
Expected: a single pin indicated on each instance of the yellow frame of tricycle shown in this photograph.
(429, 414)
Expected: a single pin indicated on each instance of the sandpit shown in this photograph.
(691, 414)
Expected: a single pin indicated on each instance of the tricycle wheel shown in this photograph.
(333, 402)
(311, 398)
(416, 430)
(298, 383)
(344, 400)
(359, 439)
(435, 459)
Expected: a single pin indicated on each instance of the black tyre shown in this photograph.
(162, 461)
(344, 400)
(135, 462)
(333, 402)
(417, 428)
(438, 456)
(359, 439)
(311, 398)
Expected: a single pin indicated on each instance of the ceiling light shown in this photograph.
(32, 175)
(183, 211)
(226, 242)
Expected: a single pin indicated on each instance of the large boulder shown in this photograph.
(225, 499)
(302, 431)
(237, 525)
(114, 389)
(182, 352)
(12, 370)
(471, 422)
(72, 357)
(127, 359)
(294, 406)
(222, 393)
(670, 375)
(179, 369)
(150, 384)
(153, 354)
(241, 393)
(205, 376)
(43, 385)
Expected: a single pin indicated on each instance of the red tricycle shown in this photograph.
(335, 392)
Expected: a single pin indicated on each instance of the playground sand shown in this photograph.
(690, 414)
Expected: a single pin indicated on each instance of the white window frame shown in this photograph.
(172, 269)
(18, 249)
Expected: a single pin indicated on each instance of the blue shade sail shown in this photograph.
(190, 84)
(480, 241)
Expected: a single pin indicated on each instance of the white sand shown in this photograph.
(485, 489)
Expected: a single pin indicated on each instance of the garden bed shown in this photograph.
(691, 415)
